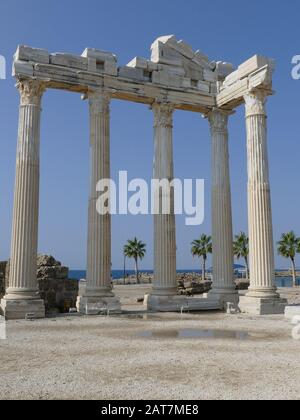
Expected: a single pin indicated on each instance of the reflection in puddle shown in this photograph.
(193, 333)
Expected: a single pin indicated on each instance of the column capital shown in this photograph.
(255, 102)
(99, 101)
(31, 92)
(218, 119)
(163, 114)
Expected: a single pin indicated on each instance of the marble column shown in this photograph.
(165, 282)
(22, 296)
(222, 233)
(98, 295)
(262, 297)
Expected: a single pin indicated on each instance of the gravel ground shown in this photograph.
(117, 358)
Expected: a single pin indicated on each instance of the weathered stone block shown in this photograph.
(25, 53)
(132, 73)
(204, 86)
(68, 60)
(21, 67)
(15, 309)
(253, 64)
(138, 63)
(260, 306)
(99, 55)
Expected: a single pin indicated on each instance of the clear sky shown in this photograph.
(231, 31)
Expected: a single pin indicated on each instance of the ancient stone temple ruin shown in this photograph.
(175, 78)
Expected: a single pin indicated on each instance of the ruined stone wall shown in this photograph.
(56, 289)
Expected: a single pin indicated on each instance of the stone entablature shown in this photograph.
(175, 74)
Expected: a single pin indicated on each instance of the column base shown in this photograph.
(97, 305)
(156, 303)
(19, 308)
(224, 296)
(262, 306)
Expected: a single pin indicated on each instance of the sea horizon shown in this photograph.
(284, 281)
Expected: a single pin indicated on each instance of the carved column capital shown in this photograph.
(163, 114)
(99, 101)
(31, 92)
(255, 102)
(219, 120)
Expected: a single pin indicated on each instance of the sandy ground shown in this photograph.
(117, 358)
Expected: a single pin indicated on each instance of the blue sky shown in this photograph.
(231, 31)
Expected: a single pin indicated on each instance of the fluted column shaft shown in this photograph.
(222, 232)
(23, 268)
(165, 283)
(261, 251)
(99, 226)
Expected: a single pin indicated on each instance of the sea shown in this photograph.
(119, 274)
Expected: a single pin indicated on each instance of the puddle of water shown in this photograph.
(193, 333)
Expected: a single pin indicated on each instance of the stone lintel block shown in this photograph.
(262, 306)
(132, 73)
(69, 60)
(178, 71)
(98, 305)
(253, 64)
(21, 68)
(99, 55)
(18, 309)
(232, 78)
(107, 67)
(138, 63)
(110, 68)
(36, 55)
(261, 78)
(204, 86)
(166, 79)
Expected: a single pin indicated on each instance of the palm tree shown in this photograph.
(288, 246)
(137, 250)
(201, 248)
(241, 249)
